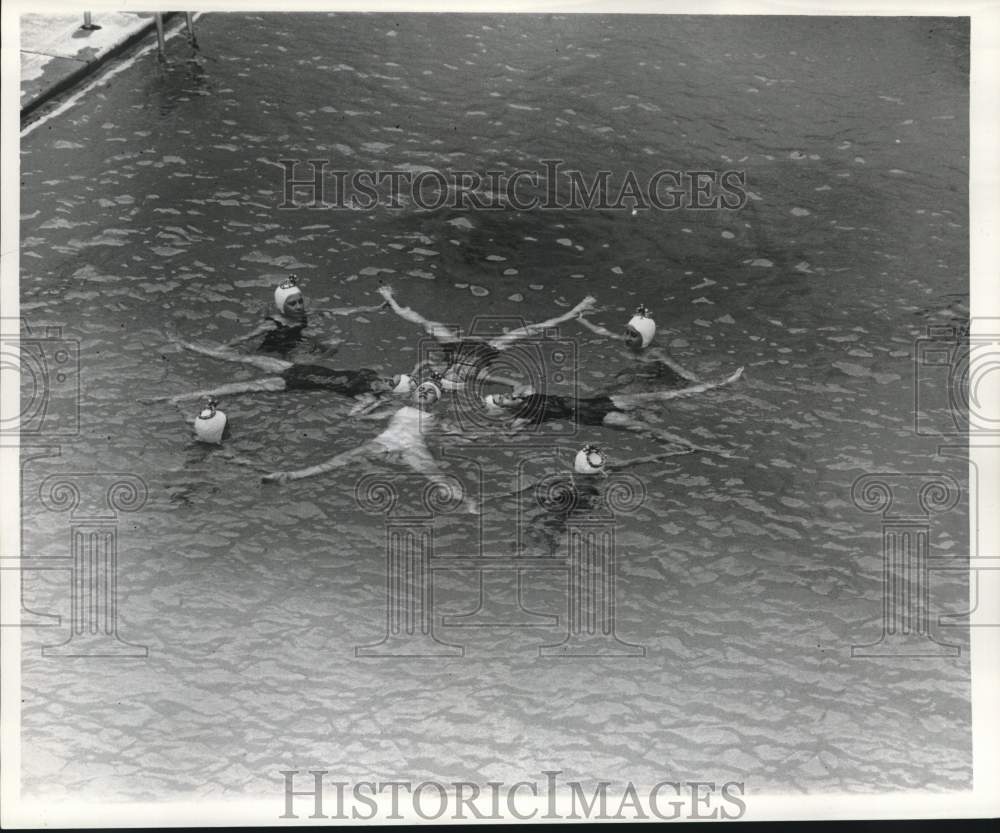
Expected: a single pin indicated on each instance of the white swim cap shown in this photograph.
(285, 291)
(428, 388)
(642, 322)
(403, 383)
(589, 460)
(210, 424)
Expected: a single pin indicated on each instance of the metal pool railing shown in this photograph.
(90, 26)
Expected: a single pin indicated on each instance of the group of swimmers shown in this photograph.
(468, 363)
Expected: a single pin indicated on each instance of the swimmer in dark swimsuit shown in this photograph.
(637, 337)
(470, 358)
(286, 330)
(364, 385)
(403, 441)
(615, 411)
(553, 500)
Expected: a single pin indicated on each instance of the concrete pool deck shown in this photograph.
(56, 51)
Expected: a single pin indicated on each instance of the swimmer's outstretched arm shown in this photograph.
(660, 354)
(505, 341)
(262, 328)
(339, 461)
(596, 328)
(435, 329)
(620, 465)
(330, 312)
(269, 384)
(370, 406)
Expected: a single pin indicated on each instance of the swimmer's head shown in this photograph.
(589, 460)
(288, 299)
(427, 393)
(210, 423)
(640, 330)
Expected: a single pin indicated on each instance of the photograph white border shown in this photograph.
(981, 801)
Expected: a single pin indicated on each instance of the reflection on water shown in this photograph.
(153, 203)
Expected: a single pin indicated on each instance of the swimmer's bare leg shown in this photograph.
(227, 354)
(504, 341)
(345, 458)
(616, 419)
(435, 329)
(628, 401)
(268, 384)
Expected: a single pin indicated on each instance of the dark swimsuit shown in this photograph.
(539, 408)
(283, 338)
(317, 377)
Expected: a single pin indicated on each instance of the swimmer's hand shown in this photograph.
(365, 403)
(277, 477)
(585, 305)
(386, 292)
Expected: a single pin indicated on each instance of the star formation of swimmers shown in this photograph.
(468, 362)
